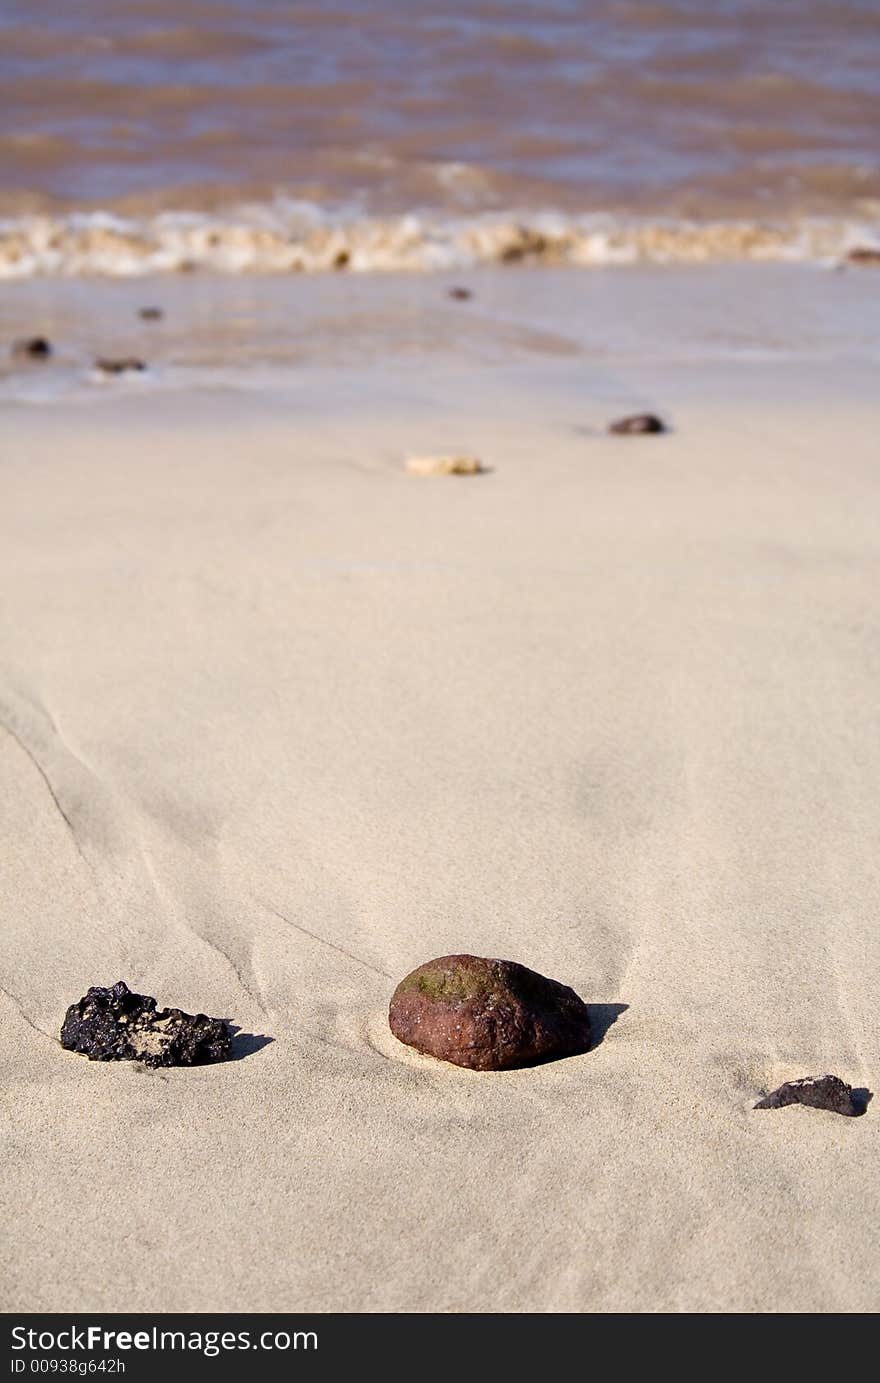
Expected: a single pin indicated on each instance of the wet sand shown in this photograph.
(281, 721)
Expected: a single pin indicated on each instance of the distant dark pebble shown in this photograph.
(151, 314)
(120, 367)
(820, 1092)
(117, 1025)
(863, 255)
(33, 348)
(460, 295)
(637, 424)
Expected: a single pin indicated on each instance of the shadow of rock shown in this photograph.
(861, 1098)
(245, 1044)
(603, 1017)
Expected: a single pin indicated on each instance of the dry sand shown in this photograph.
(280, 722)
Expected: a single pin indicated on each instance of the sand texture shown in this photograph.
(279, 724)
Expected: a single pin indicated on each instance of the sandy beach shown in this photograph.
(281, 721)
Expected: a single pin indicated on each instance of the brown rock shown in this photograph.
(125, 365)
(487, 1015)
(637, 424)
(863, 255)
(151, 314)
(821, 1092)
(461, 295)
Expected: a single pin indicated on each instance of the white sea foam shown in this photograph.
(285, 236)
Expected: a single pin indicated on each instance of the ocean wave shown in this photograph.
(289, 237)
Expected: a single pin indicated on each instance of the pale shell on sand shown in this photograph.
(444, 465)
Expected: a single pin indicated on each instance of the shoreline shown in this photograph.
(285, 333)
(289, 236)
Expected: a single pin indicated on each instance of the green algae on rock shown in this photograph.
(487, 1015)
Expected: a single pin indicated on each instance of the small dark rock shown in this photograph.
(124, 365)
(820, 1092)
(461, 295)
(151, 314)
(864, 255)
(117, 1025)
(637, 424)
(33, 348)
(487, 1015)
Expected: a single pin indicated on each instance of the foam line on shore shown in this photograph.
(289, 236)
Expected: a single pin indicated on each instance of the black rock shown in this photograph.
(636, 425)
(124, 365)
(151, 314)
(117, 1025)
(820, 1092)
(33, 348)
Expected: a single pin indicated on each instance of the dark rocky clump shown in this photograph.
(820, 1092)
(864, 255)
(461, 295)
(128, 364)
(487, 1015)
(151, 314)
(117, 1025)
(636, 425)
(33, 348)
